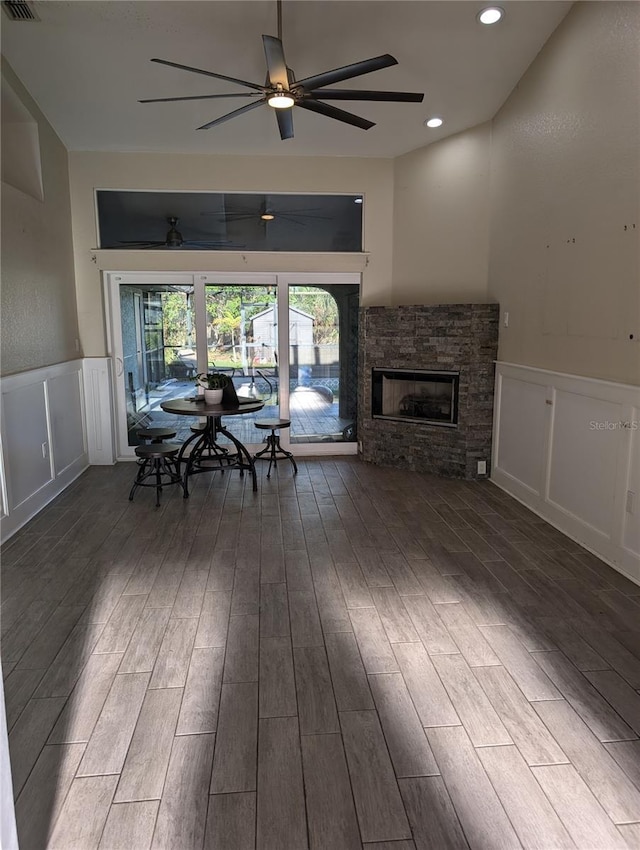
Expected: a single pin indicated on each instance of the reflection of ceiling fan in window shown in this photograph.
(283, 91)
(267, 212)
(174, 240)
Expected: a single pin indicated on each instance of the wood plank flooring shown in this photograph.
(355, 658)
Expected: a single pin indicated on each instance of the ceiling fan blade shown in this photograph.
(358, 94)
(210, 74)
(233, 114)
(285, 123)
(206, 244)
(276, 64)
(338, 114)
(291, 220)
(145, 246)
(196, 97)
(347, 72)
(149, 243)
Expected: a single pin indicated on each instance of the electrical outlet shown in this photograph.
(482, 467)
(631, 498)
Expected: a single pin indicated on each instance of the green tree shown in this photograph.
(322, 306)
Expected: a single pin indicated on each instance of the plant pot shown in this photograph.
(212, 396)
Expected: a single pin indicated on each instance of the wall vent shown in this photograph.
(19, 10)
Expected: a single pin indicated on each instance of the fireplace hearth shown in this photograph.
(426, 387)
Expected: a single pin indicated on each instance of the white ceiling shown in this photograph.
(86, 63)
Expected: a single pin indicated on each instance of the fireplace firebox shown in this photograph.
(415, 395)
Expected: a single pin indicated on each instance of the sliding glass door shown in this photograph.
(288, 340)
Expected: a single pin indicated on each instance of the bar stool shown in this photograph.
(155, 435)
(159, 462)
(273, 449)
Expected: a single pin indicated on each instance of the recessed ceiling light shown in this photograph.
(267, 216)
(491, 15)
(433, 122)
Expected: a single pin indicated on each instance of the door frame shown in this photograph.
(282, 281)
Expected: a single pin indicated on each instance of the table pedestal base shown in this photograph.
(207, 455)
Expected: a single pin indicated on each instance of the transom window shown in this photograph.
(231, 221)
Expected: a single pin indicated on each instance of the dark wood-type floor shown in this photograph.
(355, 658)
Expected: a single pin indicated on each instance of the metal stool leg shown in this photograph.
(158, 465)
(284, 453)
(272, 456)
(273, 450)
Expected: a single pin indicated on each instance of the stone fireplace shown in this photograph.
(426, 387)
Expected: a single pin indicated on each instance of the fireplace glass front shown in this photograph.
(416, 395)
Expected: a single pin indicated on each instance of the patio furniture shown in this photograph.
(206, 454)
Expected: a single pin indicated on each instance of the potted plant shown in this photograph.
(214, 384)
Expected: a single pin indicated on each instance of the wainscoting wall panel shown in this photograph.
(67, 433)
(568, 447)
(521, 448)
(99, 408)
(631, 533)
(583, 460)
(26, 440)
(43, 439)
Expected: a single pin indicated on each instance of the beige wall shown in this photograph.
(441, 221)
(489, 214)
(564, 186)
(39, 325)
(89, 171)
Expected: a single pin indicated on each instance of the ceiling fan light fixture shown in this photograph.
(491, 15)
(281, 100)
(433, 122)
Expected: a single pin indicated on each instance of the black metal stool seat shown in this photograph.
(273, 449)
(155, 435)
(158, 466)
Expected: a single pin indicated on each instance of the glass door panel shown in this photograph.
(242, 341)
(157, 325)
(323, 362)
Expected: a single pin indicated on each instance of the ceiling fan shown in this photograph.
(174, 239)
(265, 211)
(282, 91)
